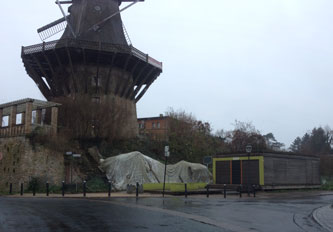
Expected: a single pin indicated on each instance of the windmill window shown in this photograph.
(154, 125)
(19, 119)
(96, 100)
(96, 82)
(5, 121)
(34, 117)
(158, 125)
(46, 116)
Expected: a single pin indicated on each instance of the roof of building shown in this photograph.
(35, 102)
(153, 118)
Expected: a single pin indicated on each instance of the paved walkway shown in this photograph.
(88, 195)
(260, 195)
(324, 216)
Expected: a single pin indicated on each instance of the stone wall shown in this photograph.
(20, 162)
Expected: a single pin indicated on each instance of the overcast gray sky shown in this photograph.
(265, 61)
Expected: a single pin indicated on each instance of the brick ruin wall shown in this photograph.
(20, 162)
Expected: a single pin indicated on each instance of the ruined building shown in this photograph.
(21, 117)
(93, 59)
(20, 162)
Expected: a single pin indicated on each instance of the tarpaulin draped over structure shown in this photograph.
(128, 169)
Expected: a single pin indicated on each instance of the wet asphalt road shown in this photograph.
(266, 214)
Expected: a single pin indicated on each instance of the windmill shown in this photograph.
(94, 57)
(59, 25)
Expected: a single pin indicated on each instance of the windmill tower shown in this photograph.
(93, 58)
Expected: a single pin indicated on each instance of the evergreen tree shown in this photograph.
(296, 145)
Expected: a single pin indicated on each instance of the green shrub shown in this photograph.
(96, 184)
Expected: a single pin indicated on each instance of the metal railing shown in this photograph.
(75, 43)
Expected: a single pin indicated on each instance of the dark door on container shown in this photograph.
(223, 172)
(251, 172)
(236, 172)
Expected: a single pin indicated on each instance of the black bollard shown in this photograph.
(110, 189)
(34, 189)
(63, 188)
(137, 189)
(240, 191)
(47, 189)
(225, 191)
(11, 189)
(254, 190)
(22, 189)
(84, 188)
(207, 191)
(186, 190)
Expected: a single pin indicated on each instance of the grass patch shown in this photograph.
(97, 185)
(327, 183)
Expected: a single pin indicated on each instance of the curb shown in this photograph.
(324, 217)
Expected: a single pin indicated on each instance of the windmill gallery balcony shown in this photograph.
(41, 61)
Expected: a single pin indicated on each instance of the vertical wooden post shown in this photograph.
(1, 131)
(12, 120)
(186, 190)
(110, 189)
(225, 191)
(54, 120)
(207, 190)
(230, 171)
(28, 116)
(39, 116)
(84, 188)
(34, 189)
(63, 188)
(22, 189)
(241, 169)
(47, 189)
(1, 110)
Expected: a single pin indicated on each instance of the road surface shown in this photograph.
(276, 212)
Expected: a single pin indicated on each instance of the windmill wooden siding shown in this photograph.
(270, 171)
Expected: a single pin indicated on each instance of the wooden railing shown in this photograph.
(19, 130)
(12, 131)
(46, 46)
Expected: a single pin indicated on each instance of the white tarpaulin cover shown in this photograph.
(127, 169)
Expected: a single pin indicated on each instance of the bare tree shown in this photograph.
(82, 118)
